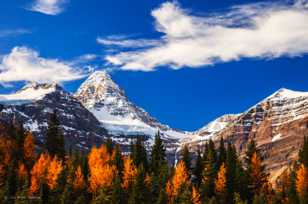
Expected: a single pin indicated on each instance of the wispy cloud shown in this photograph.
(125, 42)
(25, 64)
(263, 30)
(49, 7)
(13, 32)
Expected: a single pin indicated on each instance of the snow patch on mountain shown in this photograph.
(109, 104)
(29, 93)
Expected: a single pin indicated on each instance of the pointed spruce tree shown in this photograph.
(139, 153)
(54, 142)
(197, 171)
(303, 153)
(185, 157)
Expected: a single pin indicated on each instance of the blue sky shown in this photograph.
(185, 62)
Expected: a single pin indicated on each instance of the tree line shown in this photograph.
(106, 176)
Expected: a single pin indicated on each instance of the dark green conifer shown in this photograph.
(54, 142)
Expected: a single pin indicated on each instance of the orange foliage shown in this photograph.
(54, 169)
(101, 172)
(302, 181)
(256, 165)
(179, 179)
(6, 148)
(22, 171)
(29, 147)
(130, 172)
(148, 180)
(195, 196)
(220, 183)
(39, 172)
(79, 183)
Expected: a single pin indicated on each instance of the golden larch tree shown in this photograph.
(38, 172)
(129, 174)
(54, 169)
(195, 198)
(29, 147)
(102, 172)
(79, 182)
(179, 179)
(302, 181)
(22, 171)
(221, 180)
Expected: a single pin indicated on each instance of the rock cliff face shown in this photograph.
(278, 125)
(122, 118)
(33, 104)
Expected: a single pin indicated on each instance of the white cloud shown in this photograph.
(127, 43)
(49, 7)
(263, 30)
(13, 32)
(24, 64)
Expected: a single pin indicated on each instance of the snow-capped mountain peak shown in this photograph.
(108, 102)
(284, 93)
(30, 92)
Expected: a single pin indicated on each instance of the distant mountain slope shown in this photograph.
(278, 125)
(33, 104)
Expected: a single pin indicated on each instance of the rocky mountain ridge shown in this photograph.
(100, 108)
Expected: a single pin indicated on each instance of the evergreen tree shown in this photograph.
(291, 191)
(140, 192)
(231, 166)
(117, 191)
(54, 142)
(11, 182)
(185, 196)
(159, 170)
(222, 154)
(139, 153)
(251, 149)
(118, 160)
(158, 155)
(162, 198)
(109, 145)
(198, 169)
(209, 174)
(185, 157)
(159, 184)
(303, 153)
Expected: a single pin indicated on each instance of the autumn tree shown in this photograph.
(102, 172)
(178, 183)
(302, 183)
(257, 174)
(195, 198)
(29, 149)
(79, 182)
(54, 169)
(39, 172)
(129, 174)
(221, 183)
